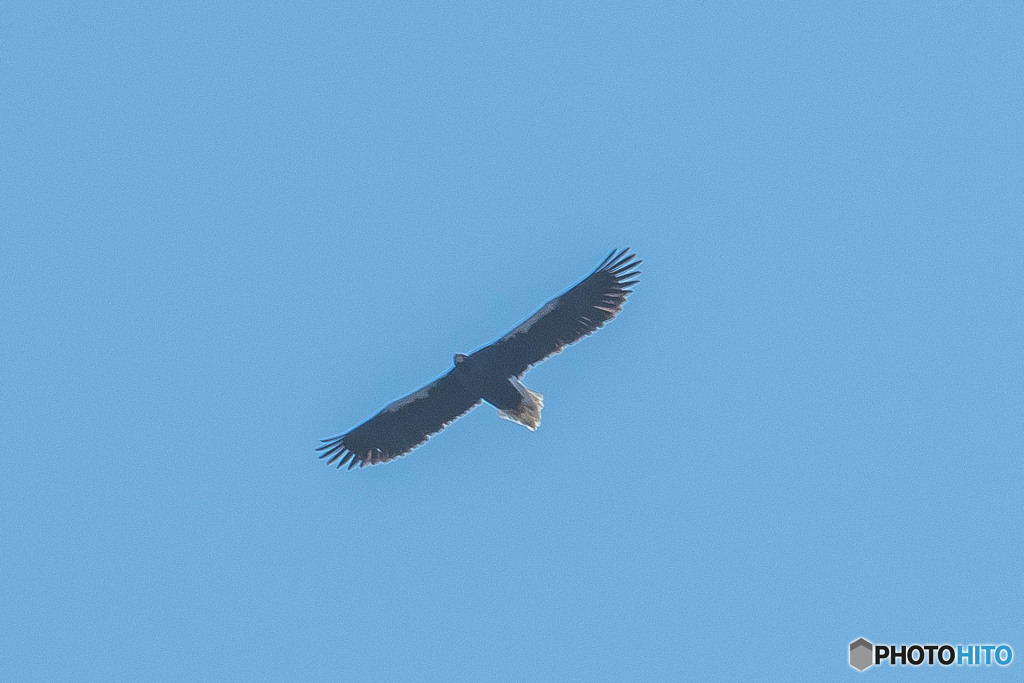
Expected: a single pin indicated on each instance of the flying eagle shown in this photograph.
(492, 373)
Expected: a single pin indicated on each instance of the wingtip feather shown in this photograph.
(614, 259)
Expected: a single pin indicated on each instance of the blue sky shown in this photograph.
(227, 232)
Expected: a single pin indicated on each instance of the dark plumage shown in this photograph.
(492, 373)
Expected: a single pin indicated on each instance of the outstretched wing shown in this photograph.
(565, 319)
(401, 426)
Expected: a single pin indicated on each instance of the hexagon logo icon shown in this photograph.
(861, 654)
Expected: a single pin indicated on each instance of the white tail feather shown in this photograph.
(526, 413)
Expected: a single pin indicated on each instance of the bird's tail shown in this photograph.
(527, 413)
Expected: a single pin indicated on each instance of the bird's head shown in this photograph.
(460, 358)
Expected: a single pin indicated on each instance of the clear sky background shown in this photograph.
(229, 231)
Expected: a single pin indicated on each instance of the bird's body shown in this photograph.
(492, 373)
(512, 399)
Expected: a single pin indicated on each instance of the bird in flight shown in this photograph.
(492, 373)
